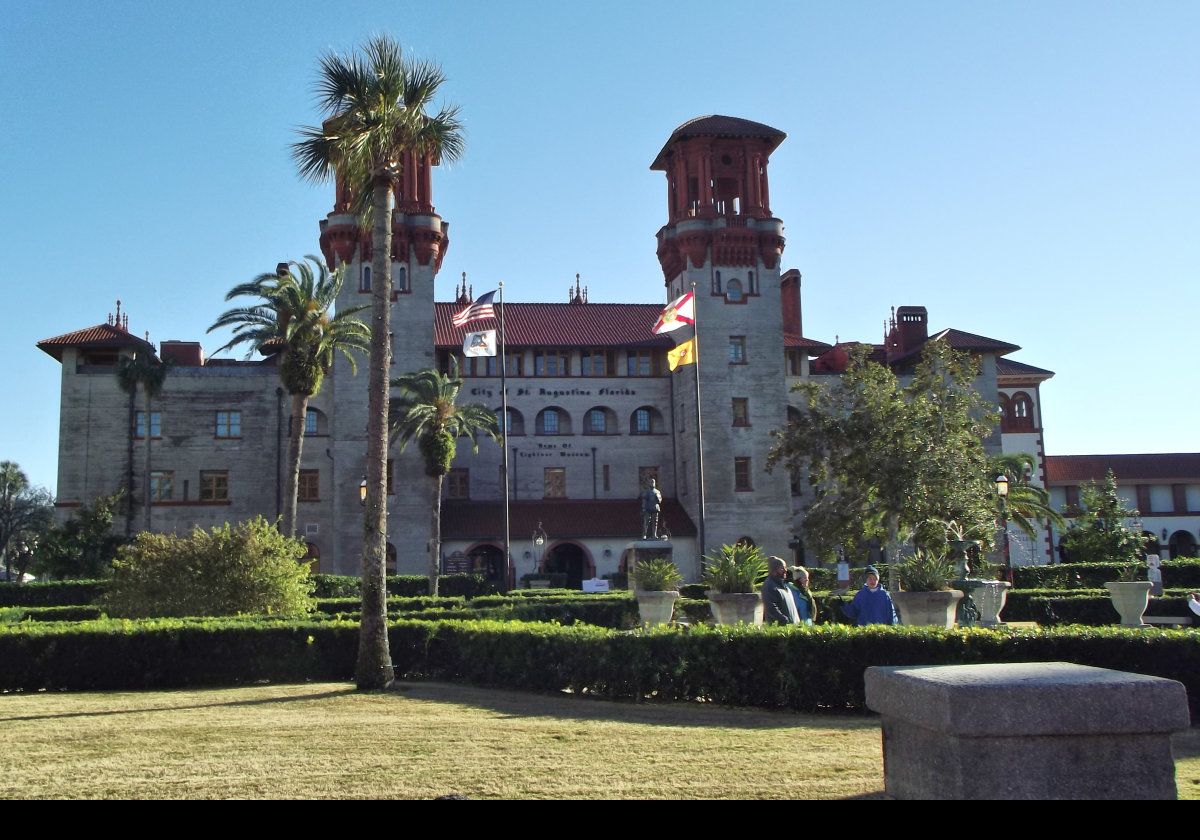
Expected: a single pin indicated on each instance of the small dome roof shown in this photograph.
(717, 125)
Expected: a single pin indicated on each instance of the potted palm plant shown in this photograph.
(926, 597)
(656, 584)
(734, 576)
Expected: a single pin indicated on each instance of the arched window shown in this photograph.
(596, 422)
(401, 279)
(645, 420)
(364, 283)
(315, 422)
(1020, 409)
(516, 422)
(716, 283)
(553, 421)
(733, 291)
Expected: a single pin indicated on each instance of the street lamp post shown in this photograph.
(1002, 492)
(539, 540)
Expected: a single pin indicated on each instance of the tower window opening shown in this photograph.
(364, 284)
(402, 279)
(733, 291)
(716, 283)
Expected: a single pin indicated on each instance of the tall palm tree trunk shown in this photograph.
(291, 481)
(435, 530)
(374, 658)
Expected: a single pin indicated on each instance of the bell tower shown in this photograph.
(722, 241)
(420, 238)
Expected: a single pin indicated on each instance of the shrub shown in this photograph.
(735, 568)
(1184, 573)
(248, 569)
(657, 575)
(409, 586)
(925, 571)
(69, 593)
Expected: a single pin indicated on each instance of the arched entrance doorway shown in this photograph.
(487, 560)
(1182, 544)
(568, 558)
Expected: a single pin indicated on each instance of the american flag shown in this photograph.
(481, 308)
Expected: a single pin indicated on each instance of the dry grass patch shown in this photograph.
(427, 740)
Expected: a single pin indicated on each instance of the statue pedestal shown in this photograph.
(640, 550)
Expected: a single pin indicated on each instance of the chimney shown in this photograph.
(913, 324)
(182, 353)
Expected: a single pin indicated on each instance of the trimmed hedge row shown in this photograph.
(67, 593)
(1176, 573)
(818, 669)
(406, 586)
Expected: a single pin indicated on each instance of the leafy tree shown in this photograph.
(84, 545)
(25, 511)
(1028, 504)
(143, 371)
(888, 459)
(295, 312)
(249, 569)
(427, 412)
(376, 104)
(1101, 533)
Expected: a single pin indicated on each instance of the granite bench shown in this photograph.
(1039, 730)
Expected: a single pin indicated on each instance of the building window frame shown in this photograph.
(139, 425)
(741, 411)
(214, 485)
(162, 486)
(308, 487)
(737, 350)
(742, 475)
(458, 483)
(554, 483)
(227, 424)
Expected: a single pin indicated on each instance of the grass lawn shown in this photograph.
(432, 739)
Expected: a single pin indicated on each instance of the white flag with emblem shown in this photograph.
(480, 344)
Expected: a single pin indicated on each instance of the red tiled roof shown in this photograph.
(1072, 469)
(716, 125)
(793, 340)
(1008, 367)
(960, 340)
(99, 336)
(560, 325)
(560, 518)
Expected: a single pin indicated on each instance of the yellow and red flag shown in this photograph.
(680, 312)
(684, 354)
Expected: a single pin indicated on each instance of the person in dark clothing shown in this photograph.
(778, 606)
(872, 604)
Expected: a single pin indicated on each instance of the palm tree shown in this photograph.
(1027, 503)
(427, 411)
(142, 370)
(376, 107)
(295, 313)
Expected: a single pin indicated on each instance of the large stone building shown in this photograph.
(594, 410)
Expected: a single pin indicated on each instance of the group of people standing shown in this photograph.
(792, 602)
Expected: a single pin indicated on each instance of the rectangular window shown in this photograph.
(162, 486)
(551, 363)
(310, 486)
(607, 483)
(641, 422)
(555, 479)
(645, 474)
(310, 422)
(596, 363)
(155, 424)
(741, 474)
(737, 349)
(549, 422)
(228, 424)
(458, 484)
(1072, 494)
(214, 486)
(640, 363)
(741, 411)
(516, 364)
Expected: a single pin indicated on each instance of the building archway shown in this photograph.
(1182, 544)
(570, 559)
(487, 560)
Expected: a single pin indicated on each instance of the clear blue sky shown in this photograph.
(1027, 171)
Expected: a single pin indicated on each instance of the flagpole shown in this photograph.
(508, 569)
(699, 426)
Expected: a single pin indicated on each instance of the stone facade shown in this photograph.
(595, 411)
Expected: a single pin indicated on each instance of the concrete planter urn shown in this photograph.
(656, 607)
(736, 607)
(927, 608)
(1129, 599)
(990, 597)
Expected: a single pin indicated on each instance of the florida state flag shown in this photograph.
(680, 313)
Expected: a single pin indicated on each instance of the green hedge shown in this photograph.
(1183, 573)
(405, 586)
(818, 669)
(66, 593)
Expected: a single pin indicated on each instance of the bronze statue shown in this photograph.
(651, 506)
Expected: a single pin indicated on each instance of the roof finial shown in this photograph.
(118, 315)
